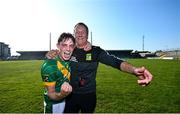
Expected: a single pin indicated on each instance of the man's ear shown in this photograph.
(58, 45)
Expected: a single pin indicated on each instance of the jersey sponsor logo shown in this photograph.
(88, 57)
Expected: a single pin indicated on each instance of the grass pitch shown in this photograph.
(22, 91)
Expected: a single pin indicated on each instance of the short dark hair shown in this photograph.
(82, 24)
(65, 36)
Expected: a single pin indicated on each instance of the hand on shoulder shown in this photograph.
(52, 54)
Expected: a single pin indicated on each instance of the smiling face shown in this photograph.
(66, 48)
(81, 36)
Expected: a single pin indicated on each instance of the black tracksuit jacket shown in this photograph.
(84, 66)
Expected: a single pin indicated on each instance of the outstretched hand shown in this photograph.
(144, 76)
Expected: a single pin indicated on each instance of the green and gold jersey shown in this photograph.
(54, 72)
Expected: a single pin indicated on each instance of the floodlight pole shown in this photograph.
(91, 38)
(50, 41)
(143, 43)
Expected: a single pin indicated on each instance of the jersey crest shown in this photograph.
(88, 57)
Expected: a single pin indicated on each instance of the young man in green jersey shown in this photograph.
(56, 75)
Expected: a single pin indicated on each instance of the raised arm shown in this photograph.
(143, 75)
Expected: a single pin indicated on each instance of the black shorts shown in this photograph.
(84, 103)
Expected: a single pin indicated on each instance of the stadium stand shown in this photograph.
(121, 53)
(32, 55)
(175, 54)
(39, 55)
